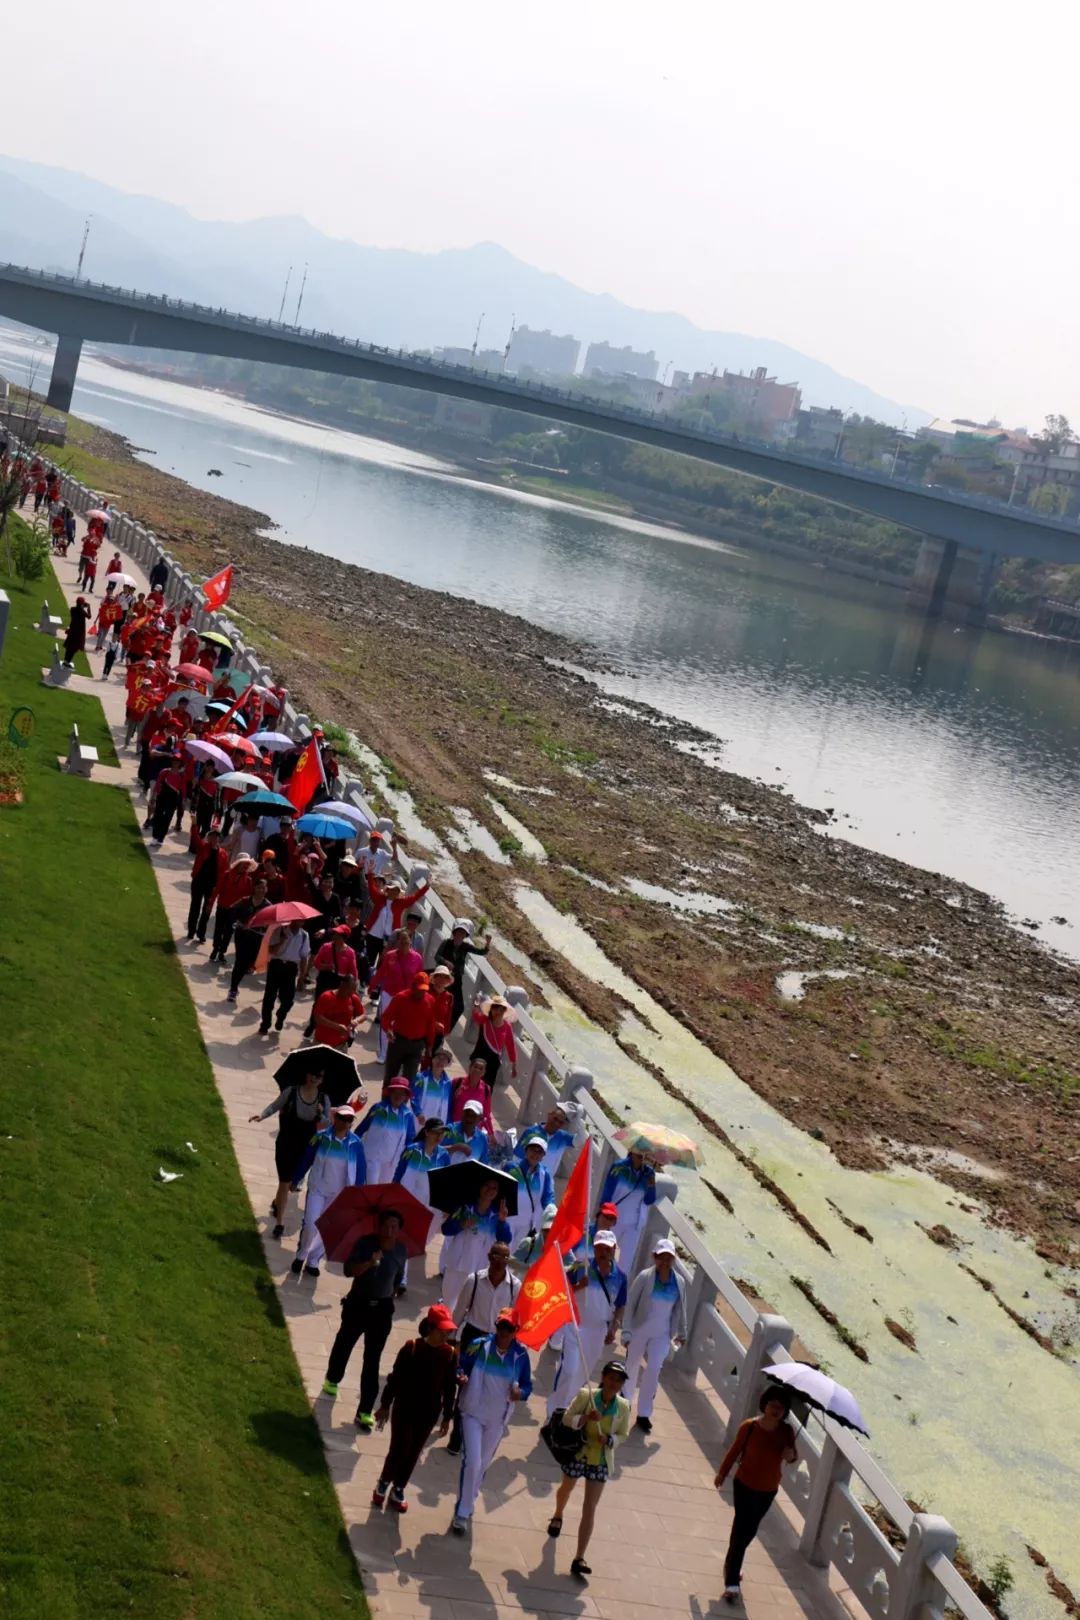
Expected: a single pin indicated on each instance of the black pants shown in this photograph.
(204, 810)
(402, 1057)
(223, 930)
(374, 948)
(370, 1320)
(280, 987)
(482, 1051)
(750, 1508)
(202, 903)
(247, 942)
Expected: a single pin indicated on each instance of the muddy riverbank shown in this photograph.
(917, 1023)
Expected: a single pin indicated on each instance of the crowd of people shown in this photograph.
(206, 741)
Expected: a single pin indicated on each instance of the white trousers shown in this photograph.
(452, 1284)
(655, 1347)
(628, 1229)
(574, 1373)
(480, 1442)
(310, 1247)
(382, 1043)
(380, 1172)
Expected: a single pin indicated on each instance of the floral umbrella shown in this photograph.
(660, 1144)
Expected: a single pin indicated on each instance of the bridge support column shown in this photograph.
(950, 582)
(65, 365)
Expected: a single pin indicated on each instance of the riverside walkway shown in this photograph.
(662, 1528)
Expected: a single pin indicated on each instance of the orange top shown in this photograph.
(759, 1453)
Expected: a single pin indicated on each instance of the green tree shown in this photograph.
(1055, 435)
(1052, 500)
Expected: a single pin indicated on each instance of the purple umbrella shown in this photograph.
(821, 1392)
(207, 750)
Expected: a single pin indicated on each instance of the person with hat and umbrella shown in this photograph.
(630, 1185)
(376, 1266)
(600, 1290)
(335, 1159)
(302, 1109)
(387, 1129)
(603, 1416)
(496, 1373)
(420, 1391)
(454, 953)
(761, 1447)
(655, 1320)
(470, 1231)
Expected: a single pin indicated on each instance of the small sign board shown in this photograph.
(21, 727)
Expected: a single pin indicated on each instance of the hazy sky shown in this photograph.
(891, 188)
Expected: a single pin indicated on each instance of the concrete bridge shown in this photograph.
(957, 526)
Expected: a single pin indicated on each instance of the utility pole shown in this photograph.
(300, 300)
(82, 250)
(284, 295)
(476, 338)
(510, 339)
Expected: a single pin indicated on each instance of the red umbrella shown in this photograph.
(193, 672)
(286, 911)
(233, 741)
(355, 1214)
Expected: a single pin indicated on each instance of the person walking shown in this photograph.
(417, 1162)
(375, 1265)
(387, 1128)
(600, 1291)
(761, 1447)
(497, 1374)
(484, 1295)
(535, 1194)
(494, 1037)
(603, 1416)
(555, 1133)
(302, 1110)
(393, 972)
(469, 1088)
(166, 796)
(339, 1014)
(454, 953)
(420, 1392)
(209, 867)
(236, 885)
(334, 958)
(470, 1232)
(289, 951)
(246, 940)
(468, 1138)
(409, 1025)
(75, 639)
(335, 1160)
(433, 1088)
(630, 1185)
(655, 1319)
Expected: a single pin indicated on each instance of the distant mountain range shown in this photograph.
(387, 295)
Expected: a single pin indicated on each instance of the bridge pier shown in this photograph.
(65, 365)
(951, 581)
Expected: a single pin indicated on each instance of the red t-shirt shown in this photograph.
(342, 1007)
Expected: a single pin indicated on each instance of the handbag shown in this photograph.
(563, 1442)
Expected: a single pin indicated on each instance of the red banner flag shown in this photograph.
(217, 587)
(307, 776)
(545, 1304)
(572, 1217)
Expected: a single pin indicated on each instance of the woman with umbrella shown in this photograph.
(631, 1186)
(302, 1109)
(455, 953)
(425, 1154)
(761, 1447)
(471, 1230)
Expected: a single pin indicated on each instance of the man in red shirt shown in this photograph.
(209, 867)
(339, 1014)
(443, 996)
(409, 1025)
(236, 885)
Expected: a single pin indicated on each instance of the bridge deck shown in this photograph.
(658, 1550)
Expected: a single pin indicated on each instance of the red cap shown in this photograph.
(610, 1210)
(506, 1315)
(422, 981)
(342, 928)
(439, 1318)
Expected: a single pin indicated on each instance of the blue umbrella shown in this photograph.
(263, 799)
(325, 826)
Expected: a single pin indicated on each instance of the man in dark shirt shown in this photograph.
(377, 1268)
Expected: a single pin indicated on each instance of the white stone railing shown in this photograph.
(729, 1341)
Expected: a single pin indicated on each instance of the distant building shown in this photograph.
(603, 360)
(544, 354)
(482, 360)
(961, 436)
(817, 430)
(755, 398)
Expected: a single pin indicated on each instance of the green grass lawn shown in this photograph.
(157, 1454)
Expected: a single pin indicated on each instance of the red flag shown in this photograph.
(217, 587)
(307, 776)
(572, 1217)
(544, 1304)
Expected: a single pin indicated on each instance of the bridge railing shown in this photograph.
(838, 1496)
(537, 392)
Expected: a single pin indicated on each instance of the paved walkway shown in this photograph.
(662, 1529)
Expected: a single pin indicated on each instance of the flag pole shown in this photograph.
(576, 1320)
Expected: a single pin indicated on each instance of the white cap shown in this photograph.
(663, 1246)
(463, 922)
(535, 1141)
(473, 1107)
(605, 1239)
(347, 1109)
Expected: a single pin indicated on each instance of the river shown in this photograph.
(958, 751)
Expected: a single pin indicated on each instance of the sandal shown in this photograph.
(555, 1526)
(580, 1568)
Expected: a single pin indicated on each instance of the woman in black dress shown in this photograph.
(454, 953)
(301, 1110)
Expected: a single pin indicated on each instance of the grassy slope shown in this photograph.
(157, 1454)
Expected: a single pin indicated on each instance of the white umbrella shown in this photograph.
(347, 811)
(98, 512)
(239, 779)
(276, 741)
(821, 1392)
(208, 750)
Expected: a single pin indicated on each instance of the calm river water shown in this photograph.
(959, 752)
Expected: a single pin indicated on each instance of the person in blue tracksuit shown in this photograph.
(416, 1162)
(630, 1185)
(535, 1194)
(556, 1133)
(497, 1374)
(433, 1089)
(467, 1140)
(387, 1129)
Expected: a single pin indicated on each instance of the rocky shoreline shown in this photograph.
(927, 1028)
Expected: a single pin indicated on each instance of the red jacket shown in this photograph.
(203, 854)
(234, 886)
(398, 907)
(410, 1016)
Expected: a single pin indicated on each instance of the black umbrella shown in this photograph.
(340, 1075)
(456, 1185)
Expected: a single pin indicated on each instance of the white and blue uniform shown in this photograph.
(431, 1096)
(557, 1144)
(469, 1235)
(655, 1314)
(477, 1144)
(485, 1410)
(631, 1191)
(412, 1174)
(535, 1193)
(387, 1131)
(597, 1303)
(335, 1162)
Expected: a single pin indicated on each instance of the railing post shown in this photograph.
(538, 1068)
(699, 1292)
(833, 1469)
(913, 1586)
(771, 1333)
